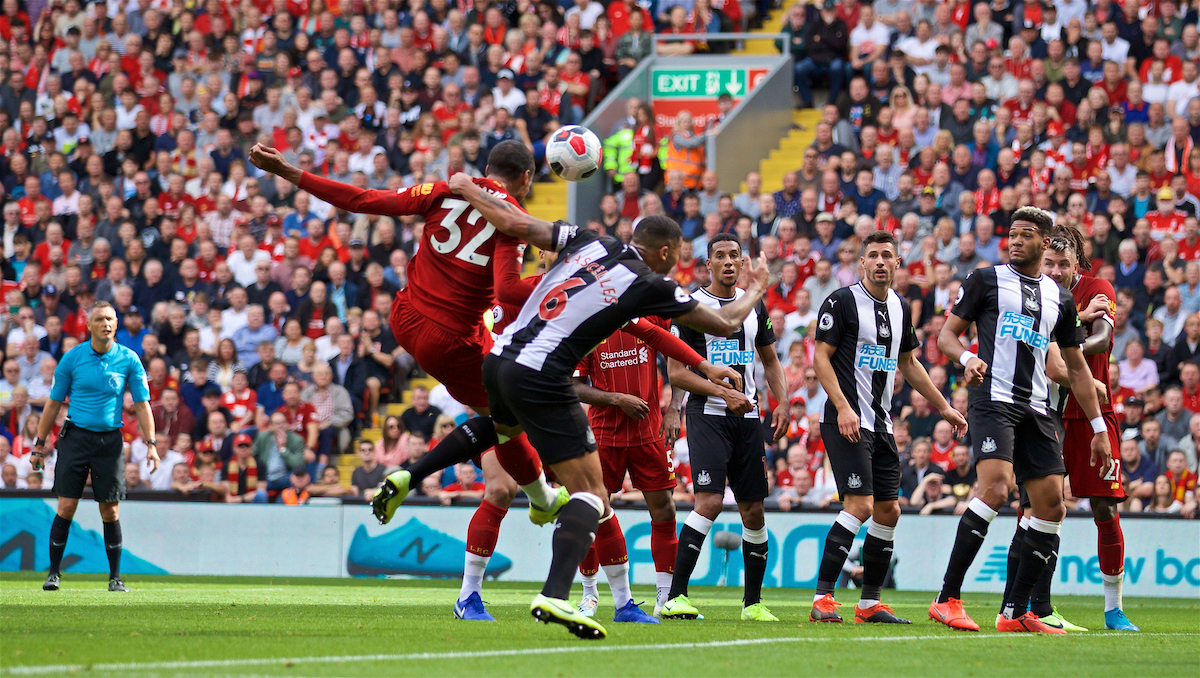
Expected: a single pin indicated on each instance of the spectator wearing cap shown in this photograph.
(50, 306)
(505, 94)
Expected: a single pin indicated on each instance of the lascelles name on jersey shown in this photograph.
(1020, 327)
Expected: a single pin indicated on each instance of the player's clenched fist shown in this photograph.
(976, 369)
(736, 401)
(460, 182)
(267, 159)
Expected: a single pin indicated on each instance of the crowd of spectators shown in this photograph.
(261, 312)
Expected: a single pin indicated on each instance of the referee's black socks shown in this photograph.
(112, 545)
(573, 536)
(59, 530)
(462, 444)
(972, 530)
(691, 542)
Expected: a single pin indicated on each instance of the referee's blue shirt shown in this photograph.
(96, 383)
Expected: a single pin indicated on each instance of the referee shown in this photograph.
(94, 376)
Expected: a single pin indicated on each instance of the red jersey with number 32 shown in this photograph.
(1084, 290)
(450, 276)
(623, 363)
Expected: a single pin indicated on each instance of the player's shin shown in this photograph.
(112, 547)
(521, 461)
(59, 530)
(470, 440)
(1040, 545)
(1110, 548)
(1014, 558)
(754, 558)
(482, 535)
(664, 544)
(614, 560)
(837, 548)
(691, 543)
(877, 560)
(589, 569)
(573, 535)
(1039, 600)
(972, 530)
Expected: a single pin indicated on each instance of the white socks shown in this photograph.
(473, 569)
(618, 582)
(1113, 585)
(698, 523)
(981, 509)
(589, 585)
(662, 580)
(540, 493)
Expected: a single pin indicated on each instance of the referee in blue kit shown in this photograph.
(94, 376)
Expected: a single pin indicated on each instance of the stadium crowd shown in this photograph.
(261, 313)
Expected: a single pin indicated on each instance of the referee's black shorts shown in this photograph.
(101, 453)
(547, 408)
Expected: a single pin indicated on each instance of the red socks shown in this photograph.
(610, 542)
(484, 529)
(520, 460)
(591, 563)
(1110, 546)
(664, 543)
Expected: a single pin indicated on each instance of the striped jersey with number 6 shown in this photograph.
(451, 275)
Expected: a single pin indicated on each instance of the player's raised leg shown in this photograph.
(482, 534)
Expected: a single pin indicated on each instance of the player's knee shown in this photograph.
(500, 493)
(660, 507)
(886, 513)
(1104, 510)
(109, 512)
(752, 515)
(507, 431)
(1054, 513)
(994, 493)
(67, 507)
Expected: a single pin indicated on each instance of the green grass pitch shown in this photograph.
(210, 626)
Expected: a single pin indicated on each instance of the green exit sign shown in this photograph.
(686, 83)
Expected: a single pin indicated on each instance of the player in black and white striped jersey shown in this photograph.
(1018, 313)
(864, 336)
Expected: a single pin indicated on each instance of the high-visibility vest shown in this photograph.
(618, 153)
(689, 161)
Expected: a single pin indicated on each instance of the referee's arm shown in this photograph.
(37, 456)
(140, 390)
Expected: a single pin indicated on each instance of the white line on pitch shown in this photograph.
(339, 659)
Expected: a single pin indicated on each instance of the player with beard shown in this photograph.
(864, 336)
(1017, 313)
(1095, 300)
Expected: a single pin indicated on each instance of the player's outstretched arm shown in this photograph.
(342, 196)
(915, 374)
(673, 347)
(729, 318)
(505, 216)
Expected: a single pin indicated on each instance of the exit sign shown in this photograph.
(691, 83)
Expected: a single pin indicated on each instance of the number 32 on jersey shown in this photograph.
(467, 252)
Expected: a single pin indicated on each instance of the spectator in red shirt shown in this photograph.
(465, 484)
(28, 204)
(783, 295)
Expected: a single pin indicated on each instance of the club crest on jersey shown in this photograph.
(854, 482)
(874, 357)
(681, 295)
(1031, 302)
(728, 352)
(885, 330)
(591, 437)
(961, 292)
(703, 478)
(826, 321)
(1020, 327)
(988, 446)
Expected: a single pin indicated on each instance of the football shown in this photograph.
(574, 153)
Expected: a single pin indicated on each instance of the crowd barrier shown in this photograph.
(1162, 555)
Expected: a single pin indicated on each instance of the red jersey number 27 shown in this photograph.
(467, 252)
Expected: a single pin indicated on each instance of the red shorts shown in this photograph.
(454, 359)
(1088, 480)
(649, 467)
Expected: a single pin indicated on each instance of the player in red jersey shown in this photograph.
(438, 317)
(1096, 304)
(634, 438)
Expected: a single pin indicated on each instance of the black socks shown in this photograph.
(837, 549)
(691, 542)
(464, 443)
(754, 558)
(59, 530)
(112, 545)
(972, 530)
(573, 536)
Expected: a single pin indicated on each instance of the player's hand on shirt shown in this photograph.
(736, 401)
(633, 406)
(1101, 452)
(152, 457)
(670, 426)
(1096, 308)
(726, 376)
(956, 420)
(848, 425)
(976, 369)
(1101, 391)
(267, 159)
(780, 419)
(460, 183)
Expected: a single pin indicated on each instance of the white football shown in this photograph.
(574, 153)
